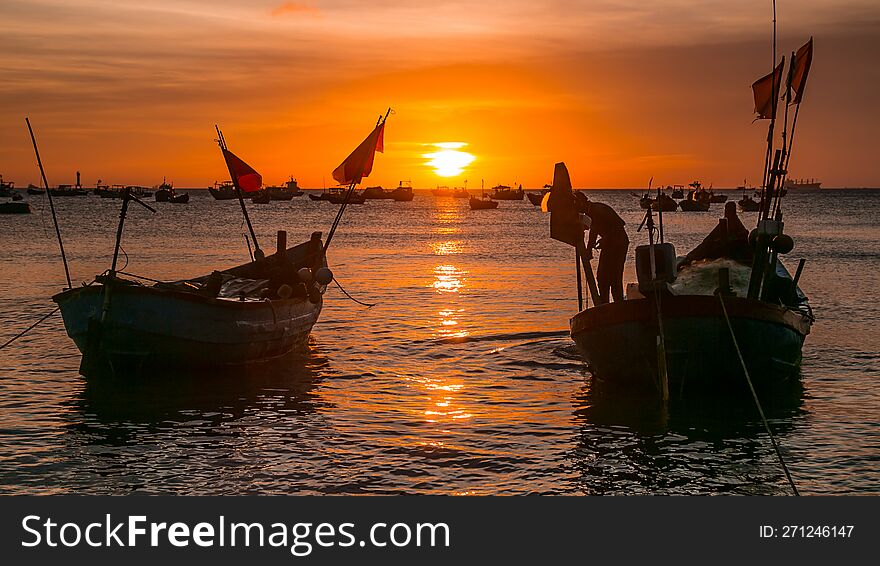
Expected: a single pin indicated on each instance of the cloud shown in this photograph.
(288, 8)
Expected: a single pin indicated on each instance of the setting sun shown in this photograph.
(448, 161)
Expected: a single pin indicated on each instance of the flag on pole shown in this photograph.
(766, 91)
(360, 163)
(247, 179)
(801, 65)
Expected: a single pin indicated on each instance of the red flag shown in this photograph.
(247, 179)
(766, 90)
(802, 60)
(360, 163)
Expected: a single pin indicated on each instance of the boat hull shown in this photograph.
(157, 327)
(619, 342)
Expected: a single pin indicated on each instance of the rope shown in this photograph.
(755, 397)
(368, 305)
(140, 277)
(28, 329)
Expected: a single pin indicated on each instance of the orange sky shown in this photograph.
(129, 91)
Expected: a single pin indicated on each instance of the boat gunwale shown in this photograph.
(689, 306)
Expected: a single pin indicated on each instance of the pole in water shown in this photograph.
(51, 203)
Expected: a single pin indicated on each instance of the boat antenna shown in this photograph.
(51, 203)
(221, 141)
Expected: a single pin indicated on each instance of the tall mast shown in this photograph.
(51, 203)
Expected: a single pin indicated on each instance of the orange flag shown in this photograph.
(247, 179)
(360, 163)
(766, 90)
(802, 60)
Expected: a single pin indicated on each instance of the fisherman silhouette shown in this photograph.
(608, 225)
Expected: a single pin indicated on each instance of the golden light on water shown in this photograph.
(448, 160)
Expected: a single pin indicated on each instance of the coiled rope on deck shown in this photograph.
(755, 397)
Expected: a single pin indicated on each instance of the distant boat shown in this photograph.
(336, 195)
(403, 193)
(504, 192)
(164, 192)
(287, 192)
(460, 192)
(747, 204)
(35, 190)
(7, 188)
(802, 185)
(677, 191)
(68, 191)
(223, 191)
(667, 204)
(442, 191)
(482, 203)
(697, 200)
(15, 207)
(377, 193)
(260, 197)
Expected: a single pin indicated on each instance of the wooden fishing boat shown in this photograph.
(7, 188)
(164, 192)
(717, 198)
(289, 190)
(727, 315)
(179, 198)
(483, 203)
(694, 204)
(403, 192)
(747, 204)
(223, 191)
(619, 340)
(677, 191)
(256, 311)
(260, 197)
(35, 190)
(68, 191)
(461, 192)
(377, 193)
(504, 192)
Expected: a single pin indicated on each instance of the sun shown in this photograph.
(448, 161)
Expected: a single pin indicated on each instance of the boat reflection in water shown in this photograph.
(635, 445)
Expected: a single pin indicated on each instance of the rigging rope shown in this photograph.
(28, 329)
(368, 305)
(755, 396)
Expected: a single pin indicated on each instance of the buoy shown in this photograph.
(783, 243)
(305, 275)
(285, 291)
(324, 276)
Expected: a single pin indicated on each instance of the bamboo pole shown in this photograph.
(51, 203)
(258, 253)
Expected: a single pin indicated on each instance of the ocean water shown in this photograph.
(460, 380)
